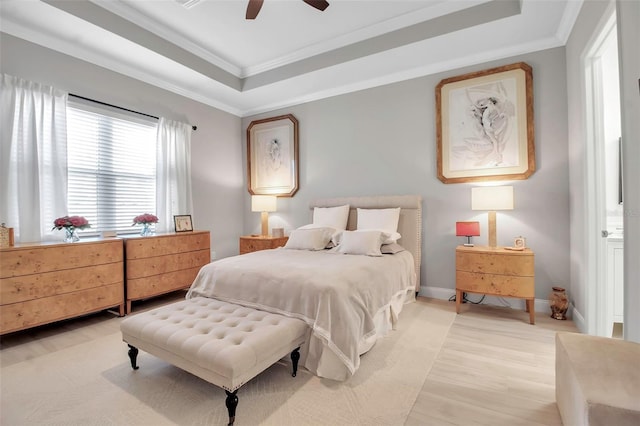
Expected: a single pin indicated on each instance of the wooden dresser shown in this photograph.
(496, 272)
(251, 243)
(163, 263)
(44, 282)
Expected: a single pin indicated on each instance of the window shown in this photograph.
(111, 166)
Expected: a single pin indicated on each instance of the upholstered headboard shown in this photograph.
(409, 225)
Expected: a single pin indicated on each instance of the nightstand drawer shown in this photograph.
(521, 264)
(494, 284)
(249, 244)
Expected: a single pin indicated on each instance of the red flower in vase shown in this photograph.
(144, 218)
(74, 222)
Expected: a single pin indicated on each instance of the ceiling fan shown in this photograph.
(254, 6)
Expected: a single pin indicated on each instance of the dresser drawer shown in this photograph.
(140, 288)
(36, 286)
(151, 266)
(162, 245)
(22, 315)
(57, 257)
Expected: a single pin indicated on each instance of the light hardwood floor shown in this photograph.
(493, 369)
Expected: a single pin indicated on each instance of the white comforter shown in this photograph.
(337, 295)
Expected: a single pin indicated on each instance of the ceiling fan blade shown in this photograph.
(318, 4)
(253, 8)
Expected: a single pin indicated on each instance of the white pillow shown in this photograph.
(309, 239)
(333, 232)
(334, 217)
(383, 219)
(364, 242)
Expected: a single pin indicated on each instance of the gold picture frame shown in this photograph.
(484, 125)
(272, 156)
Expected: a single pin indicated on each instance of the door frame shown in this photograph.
(597, 295)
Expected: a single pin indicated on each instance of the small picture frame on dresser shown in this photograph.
(183, 223)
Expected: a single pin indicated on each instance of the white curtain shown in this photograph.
(33, 158)
(173, 173)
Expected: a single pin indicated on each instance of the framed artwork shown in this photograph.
(183, 223)
(484, 125)
(272, 156)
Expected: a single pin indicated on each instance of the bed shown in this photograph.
(348, 301)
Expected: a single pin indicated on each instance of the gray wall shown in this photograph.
(381, 141)
(216, 154)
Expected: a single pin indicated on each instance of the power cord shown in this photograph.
(466, 300)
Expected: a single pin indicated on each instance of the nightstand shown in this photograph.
(496, 272)
(251, 243)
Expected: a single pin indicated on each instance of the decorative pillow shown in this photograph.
(360, 242)
(334, 217)
(382, 219)
(391, 248)
(309, 239)
(333, 232)
(387, 237)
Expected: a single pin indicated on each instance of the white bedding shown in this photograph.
(344, 298)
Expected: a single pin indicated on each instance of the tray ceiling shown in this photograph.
(292, 53)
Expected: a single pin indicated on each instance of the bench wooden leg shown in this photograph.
(295, 357)
(133, 356)
(231, 403)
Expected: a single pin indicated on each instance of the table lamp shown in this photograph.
(264, 204)
(468, 229)
(492, 198)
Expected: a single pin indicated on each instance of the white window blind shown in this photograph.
(111, 166)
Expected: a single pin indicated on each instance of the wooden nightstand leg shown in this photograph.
(458, 300)
(531, 309)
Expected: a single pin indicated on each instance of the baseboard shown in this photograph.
(541, 305)
(578, 319)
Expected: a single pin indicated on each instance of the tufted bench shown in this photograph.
(222, 343)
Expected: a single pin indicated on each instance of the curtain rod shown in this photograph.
(119, 107)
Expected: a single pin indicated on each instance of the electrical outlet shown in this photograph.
(213, 256)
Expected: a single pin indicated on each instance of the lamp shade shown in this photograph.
(492, 198)
(467, 229)
(263, 203)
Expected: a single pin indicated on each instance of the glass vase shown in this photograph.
(71, 235)
(146, 229)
